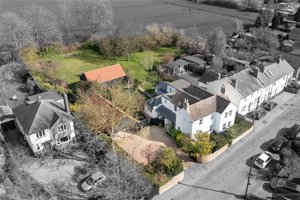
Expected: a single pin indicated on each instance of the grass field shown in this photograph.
(69, 66)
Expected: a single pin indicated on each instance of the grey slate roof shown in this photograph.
(162, 87)
(165, 112)
(247, 84)
(194, 60)
(40, 115)
(50, 94)
(180, 62)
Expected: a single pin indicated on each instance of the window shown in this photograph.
(243, 108)
(38, 147)
(230, 112)
(62, 128)
(40, 134)
(200, 121)
(211, 128)
(64, 139)
(226, 114)
(224, 126)
(212, 116)
(165, 101)
(229, 123)
(175, 108)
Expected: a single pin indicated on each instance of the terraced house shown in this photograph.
(250, 87)
(45, 124)
(191, 109)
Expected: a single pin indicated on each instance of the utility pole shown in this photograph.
(252, 158)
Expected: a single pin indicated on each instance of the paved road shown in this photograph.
(181, 13)
(226, 177)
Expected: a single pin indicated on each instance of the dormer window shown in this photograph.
(40, 134)
(62, 128)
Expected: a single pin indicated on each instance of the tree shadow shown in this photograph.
(282, 131)
(209, 189)
(265, 146)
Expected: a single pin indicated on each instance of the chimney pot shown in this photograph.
(223, 89)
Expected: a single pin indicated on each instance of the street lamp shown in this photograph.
(252, 158)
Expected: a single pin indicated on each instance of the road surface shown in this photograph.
(225, 178)
(181, 13)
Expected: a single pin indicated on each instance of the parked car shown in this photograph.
(263, 159)
(291, 89)
(293, 131)
(277, 144)
(283, 186)
(270, 105)
(92, 180)
(259, 113)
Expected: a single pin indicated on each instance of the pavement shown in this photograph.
(226, 176)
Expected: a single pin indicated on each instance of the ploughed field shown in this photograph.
(181, 13)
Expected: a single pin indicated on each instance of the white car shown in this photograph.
(263, 159)
(92, 180)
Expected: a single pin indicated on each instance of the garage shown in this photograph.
(7, 119)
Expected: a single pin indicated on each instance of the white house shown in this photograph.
(45, 124)
(251, 86)
(193, 109)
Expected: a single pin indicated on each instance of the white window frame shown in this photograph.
(40, 134)
(62, 128)
(230, 112)
(200, 121)
(226, 114)
(212, 116)
(229, 124)
(224, 126)
(211, 128)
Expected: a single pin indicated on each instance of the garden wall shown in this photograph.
(210, 157)
(171, 183)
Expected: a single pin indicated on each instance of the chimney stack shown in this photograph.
(223, 89)
(261, 67)
(186, 104)
(66, 102)
(255, 72)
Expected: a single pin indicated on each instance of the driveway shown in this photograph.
(226, 177)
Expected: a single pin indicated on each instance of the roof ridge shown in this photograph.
(35, 114)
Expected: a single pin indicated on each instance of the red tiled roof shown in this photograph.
(105, 74)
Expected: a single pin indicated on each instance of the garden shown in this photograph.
(205, 143)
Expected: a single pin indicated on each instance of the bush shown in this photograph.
(163, 167)
(181, 139)
(241, 125)
(221, 140)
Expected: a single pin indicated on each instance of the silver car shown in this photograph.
(263, 159)
(92, 180)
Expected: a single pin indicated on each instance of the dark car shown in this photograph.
(291, 89)
(270, 105)
(283, 186)
(278, 143)
(293, 131)
(259, 113)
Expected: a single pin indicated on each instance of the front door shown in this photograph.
(47, 146)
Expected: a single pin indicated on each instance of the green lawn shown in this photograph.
(70, 65)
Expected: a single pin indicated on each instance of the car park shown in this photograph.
(283, 186)
(263, 159)
(259, 113)
(92, 181)
(293, 131)
(277, 144)
(269, 105)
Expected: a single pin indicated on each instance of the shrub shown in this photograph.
(221, 140)
(181, 139)
(202, 145)
(222, 3)
(163, 167)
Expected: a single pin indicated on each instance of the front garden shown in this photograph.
(205, 143)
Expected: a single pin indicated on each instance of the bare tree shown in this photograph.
(86, 18)
(193, 42)
(217, 42)
(238, 25)
(15, 32)
(43, 25)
